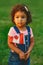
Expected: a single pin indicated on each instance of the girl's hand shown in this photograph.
(27, 55)
(22, 55)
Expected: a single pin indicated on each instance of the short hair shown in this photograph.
(21, 8)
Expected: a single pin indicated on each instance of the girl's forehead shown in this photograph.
(20, 13)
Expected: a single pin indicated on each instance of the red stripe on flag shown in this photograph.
(21, 38)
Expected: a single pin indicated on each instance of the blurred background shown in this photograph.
(36, 8)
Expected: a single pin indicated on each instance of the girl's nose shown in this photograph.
(20, 18)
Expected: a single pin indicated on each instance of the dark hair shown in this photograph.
(22, 8)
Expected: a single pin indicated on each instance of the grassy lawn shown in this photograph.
(36, 8)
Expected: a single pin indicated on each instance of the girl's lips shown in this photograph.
(19, 23)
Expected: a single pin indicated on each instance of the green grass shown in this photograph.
(36, 8)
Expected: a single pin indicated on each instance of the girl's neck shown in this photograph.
(22, 28)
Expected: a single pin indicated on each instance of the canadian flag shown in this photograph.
(19, 38)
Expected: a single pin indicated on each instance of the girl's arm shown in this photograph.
(31, 44)
(15, 49)
(11, 46)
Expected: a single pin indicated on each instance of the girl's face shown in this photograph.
(20, 19)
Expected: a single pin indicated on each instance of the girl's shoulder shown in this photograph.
(29, 28)
(31, 32)
(12, 28)
(11, 31)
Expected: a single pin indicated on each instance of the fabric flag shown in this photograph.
(19, 39)
(16, 39)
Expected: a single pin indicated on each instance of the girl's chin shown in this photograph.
(20, 26)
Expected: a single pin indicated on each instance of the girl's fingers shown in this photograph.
(27, 56)
(26, 53)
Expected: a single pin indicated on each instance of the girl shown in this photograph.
(20, 36)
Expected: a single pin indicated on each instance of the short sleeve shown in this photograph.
(11, 32)
(31, 33)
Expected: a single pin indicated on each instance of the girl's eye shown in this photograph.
(17, 17)
(22, 17)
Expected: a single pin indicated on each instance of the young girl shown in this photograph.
(20, 36)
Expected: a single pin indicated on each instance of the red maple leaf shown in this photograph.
(16, 37)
